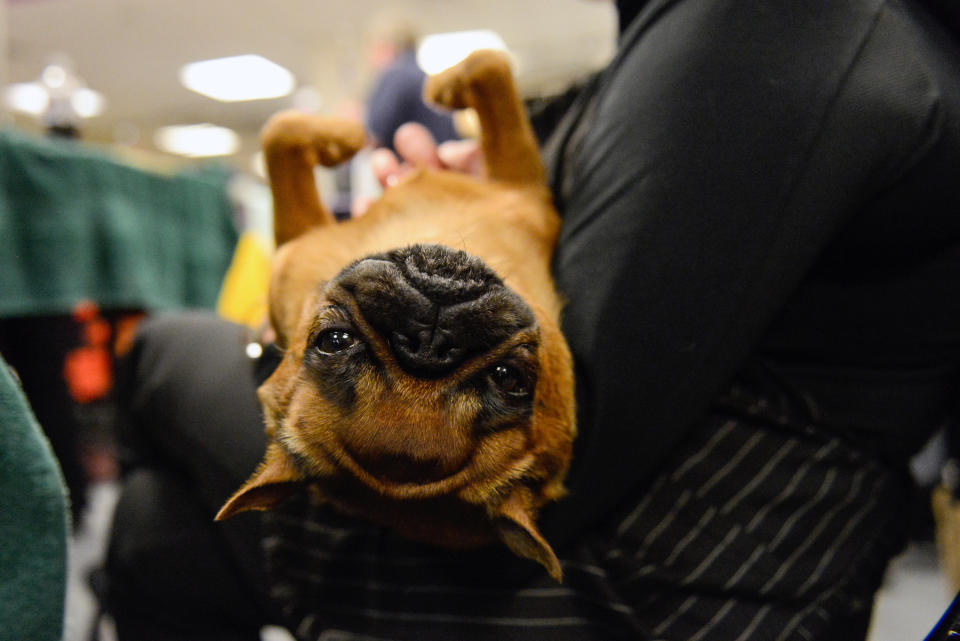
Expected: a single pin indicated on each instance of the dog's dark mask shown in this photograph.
(435, 306)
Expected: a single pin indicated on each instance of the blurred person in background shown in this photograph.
(397, 93)
(395, 98)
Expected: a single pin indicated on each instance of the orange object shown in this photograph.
(88, 369)
(89, 373)
(125, 331)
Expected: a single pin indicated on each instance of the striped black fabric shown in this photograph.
(758, 529)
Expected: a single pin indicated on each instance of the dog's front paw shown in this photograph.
(334, 140)
(452, 88)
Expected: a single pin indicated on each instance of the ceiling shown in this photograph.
(131, 50)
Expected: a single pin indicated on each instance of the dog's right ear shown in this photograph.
(275, 479)
(514, 522)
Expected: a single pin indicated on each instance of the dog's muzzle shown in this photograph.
(435, 306)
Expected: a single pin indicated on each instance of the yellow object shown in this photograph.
(946, 514)
(243, 297)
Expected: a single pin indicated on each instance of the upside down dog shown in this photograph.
(425, 384)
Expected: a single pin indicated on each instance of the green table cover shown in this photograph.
(76, 225)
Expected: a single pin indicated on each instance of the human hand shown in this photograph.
(417, 149)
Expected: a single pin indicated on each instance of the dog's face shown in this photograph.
(419, 391)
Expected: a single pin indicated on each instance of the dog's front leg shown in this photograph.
(293, 144)
(484, 81)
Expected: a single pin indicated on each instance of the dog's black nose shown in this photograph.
(425, 349)
(435, 306)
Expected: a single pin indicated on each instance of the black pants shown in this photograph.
(190, 433)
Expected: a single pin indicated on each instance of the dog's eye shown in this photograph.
(508, 380)
(335, 340)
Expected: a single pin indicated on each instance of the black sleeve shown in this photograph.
(723, 149)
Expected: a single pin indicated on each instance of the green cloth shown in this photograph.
(77, 225)
(33, 524)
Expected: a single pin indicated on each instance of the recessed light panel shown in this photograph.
(197, 141)
(87, 103)
(441, 50)
(27, 97)
(237, 78)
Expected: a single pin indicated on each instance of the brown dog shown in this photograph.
(425, 384)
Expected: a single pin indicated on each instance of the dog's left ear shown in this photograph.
(275, 479)
(515, 525)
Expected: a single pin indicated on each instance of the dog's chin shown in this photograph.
(401, 472)
(399, 478)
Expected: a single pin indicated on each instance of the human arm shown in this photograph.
(723, 152)
(720, 155)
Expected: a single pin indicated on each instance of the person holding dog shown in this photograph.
(761, 264)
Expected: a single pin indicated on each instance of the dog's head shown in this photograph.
(420, 392)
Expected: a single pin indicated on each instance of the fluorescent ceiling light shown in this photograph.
(248, 77)
(54, 76)
(33, 98)
(441, 50)
(27, 97)
(87, 103)
(197, 141)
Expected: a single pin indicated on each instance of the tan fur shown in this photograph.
(475, 487)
